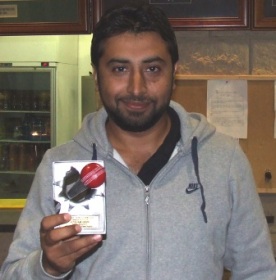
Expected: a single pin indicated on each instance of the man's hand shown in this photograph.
(62, 246)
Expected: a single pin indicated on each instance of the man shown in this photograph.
(181, 200)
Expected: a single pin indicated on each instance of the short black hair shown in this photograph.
(135, 18)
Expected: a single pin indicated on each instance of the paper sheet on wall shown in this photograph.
(274, 109)
(227, 106)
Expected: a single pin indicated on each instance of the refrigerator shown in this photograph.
(38, 110)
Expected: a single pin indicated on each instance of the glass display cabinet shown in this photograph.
(27, 102)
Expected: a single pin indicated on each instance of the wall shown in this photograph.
(217, 53)
(85, 67)
(51, 48)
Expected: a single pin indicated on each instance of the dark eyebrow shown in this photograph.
(117, 60)
(147, 60)
(153, 59)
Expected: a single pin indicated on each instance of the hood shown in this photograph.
(92, 132)
(192, 125)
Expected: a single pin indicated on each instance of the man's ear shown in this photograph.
(175, 68)
(174, 73)
(95, 75)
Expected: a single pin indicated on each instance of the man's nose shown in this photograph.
(136, 83)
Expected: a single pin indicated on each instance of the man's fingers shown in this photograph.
(71, 250)
(52, 221)
(61, 234)
(77, 247)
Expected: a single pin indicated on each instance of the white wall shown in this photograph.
(52, 48)
(84, 63)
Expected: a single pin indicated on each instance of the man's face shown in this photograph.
(135, 79)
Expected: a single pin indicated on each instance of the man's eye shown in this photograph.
(152, 69)
(119, 69)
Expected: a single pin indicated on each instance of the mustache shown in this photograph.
(135, 99)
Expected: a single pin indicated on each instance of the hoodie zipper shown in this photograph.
(147, 201)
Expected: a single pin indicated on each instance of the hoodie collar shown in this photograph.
(191, 125)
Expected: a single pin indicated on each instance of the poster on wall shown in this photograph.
(227, 106)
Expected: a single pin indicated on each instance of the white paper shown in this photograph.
(227, 106)
(274, 109)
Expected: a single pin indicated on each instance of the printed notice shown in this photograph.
(274, 109)
(227, 106)
(8, 11)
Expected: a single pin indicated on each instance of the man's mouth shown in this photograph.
(137, 104)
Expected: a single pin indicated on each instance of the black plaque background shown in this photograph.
(43, 11)
(48, 17)
(269, 8)
(199, 14)
(264, 12)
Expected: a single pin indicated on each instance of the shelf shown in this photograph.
(12, 203)
(23, 112)
(266, 190)
(17, 172)
(25, 141)
(225, 77)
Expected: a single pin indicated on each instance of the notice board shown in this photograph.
(260, 145)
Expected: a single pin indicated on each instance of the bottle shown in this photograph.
(17, 101)
(4, 157)
(20, 100)
(27, 101)
(22, 157)
(13, 163)
(26, 127)
(37, 128)
(35, 102)
(32, 158)
(47, 129)
(44, 101)
(17, 132)
(14, 101)
(6, 101)
(2, 98)
(2, 129)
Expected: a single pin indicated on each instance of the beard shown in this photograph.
(134, 121)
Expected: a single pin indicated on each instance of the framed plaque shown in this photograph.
(193, 14)
(264, 14)
(45, 17)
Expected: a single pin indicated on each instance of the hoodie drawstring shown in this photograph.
(195, 162)
(94, 152)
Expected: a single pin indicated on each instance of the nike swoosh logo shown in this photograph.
(192, 187)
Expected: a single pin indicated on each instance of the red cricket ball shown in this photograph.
(93, 175)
